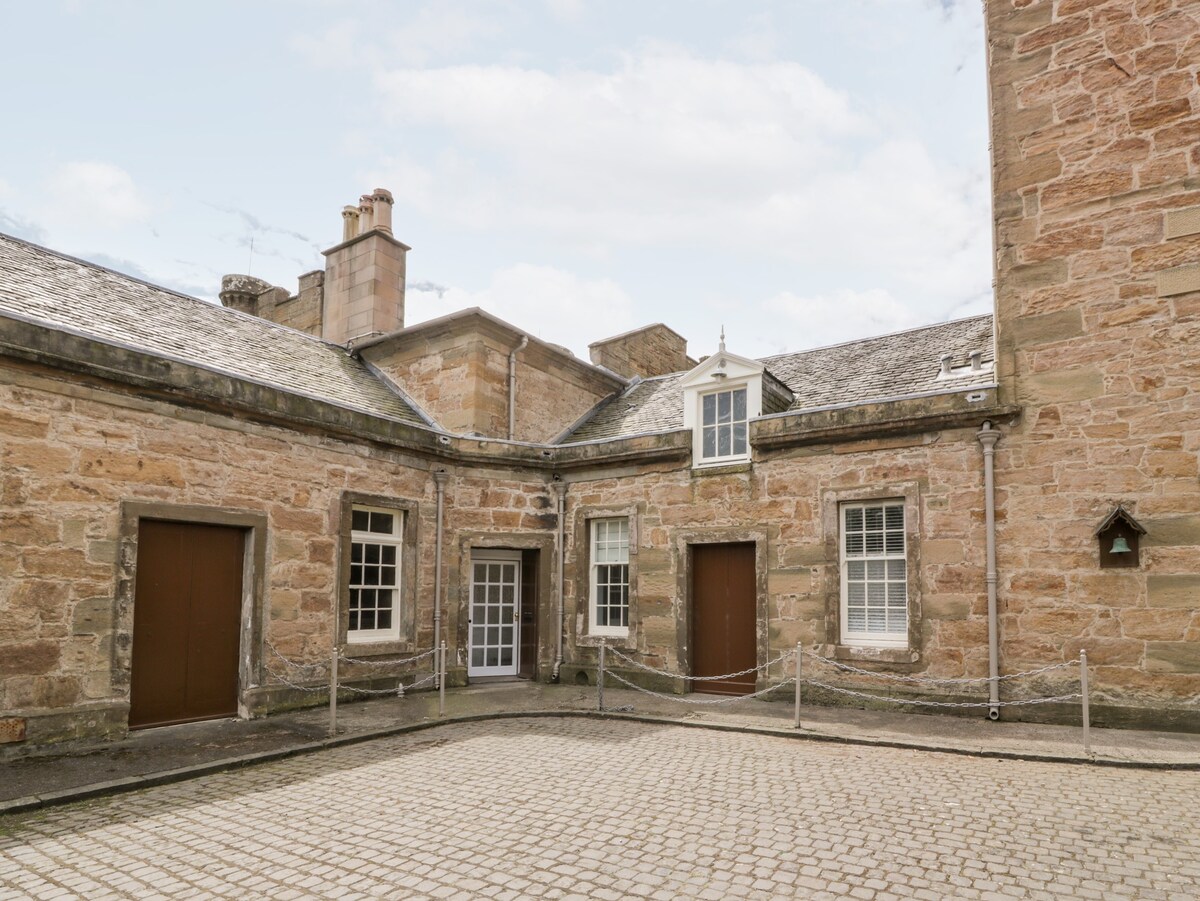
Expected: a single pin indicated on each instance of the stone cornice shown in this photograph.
(874, 420)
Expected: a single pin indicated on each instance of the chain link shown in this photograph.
(914, 701)
(745, 672)
(358, 661)
(399, 690)
(293, 665)
(290, 684)
(302, 668)
(924, 680)
(706, 702)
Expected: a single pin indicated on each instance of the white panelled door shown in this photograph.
(495, 613)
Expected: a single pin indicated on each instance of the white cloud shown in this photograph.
(433, 33)
(98, 195)
(338, 46)
(566, 10)
(554, 305)
(841, 315)
(671, 148)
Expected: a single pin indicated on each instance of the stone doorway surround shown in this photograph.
(458, 595)
(684, 539)
(253, 578)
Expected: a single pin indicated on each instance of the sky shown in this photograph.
(799, 172)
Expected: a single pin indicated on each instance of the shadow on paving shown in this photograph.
(53, 774)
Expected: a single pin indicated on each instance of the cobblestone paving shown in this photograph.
(607, 810)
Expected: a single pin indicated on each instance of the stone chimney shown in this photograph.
(364, 275)
(648, 351)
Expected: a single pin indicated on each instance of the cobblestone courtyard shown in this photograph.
(570, 808)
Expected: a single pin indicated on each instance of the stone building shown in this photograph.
(197, 502)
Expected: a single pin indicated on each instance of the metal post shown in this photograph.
(333, 692)
(442, 680)
(798, 659)
(1083, 687)
(600, 679)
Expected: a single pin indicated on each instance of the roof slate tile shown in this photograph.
(63, 293)
(873, 369)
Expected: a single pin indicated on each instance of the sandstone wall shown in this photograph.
(788, 504)
(1096, 134)
(72, 456)
(653, 350)
(460, 377)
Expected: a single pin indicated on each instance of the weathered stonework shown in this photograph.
(649, 351)
(1096, 145)
(457, 369)
(1097, 182)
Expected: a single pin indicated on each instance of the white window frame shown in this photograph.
(888, 574)
(383, 540)
(702, 426)
(594, 564)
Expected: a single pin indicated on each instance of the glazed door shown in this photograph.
(186, 623)
(724, 616)
(494, 622)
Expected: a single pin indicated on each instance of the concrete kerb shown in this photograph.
(45, 800)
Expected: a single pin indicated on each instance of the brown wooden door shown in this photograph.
(724, 616)
(186, 623)
(529, 607)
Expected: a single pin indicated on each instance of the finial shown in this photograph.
(722, 338)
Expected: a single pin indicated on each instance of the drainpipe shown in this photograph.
(512, 386)
(561, 489)
(439, 482)
(988, 437)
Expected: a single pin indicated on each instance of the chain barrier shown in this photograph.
(923, 703)
(399, 691)
(698, 701)
(782, 657)
(924, 680)
(321, 672)
(358, 661)
(290, 663)
(279, 677)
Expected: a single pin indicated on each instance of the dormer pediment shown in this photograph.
(719, 367)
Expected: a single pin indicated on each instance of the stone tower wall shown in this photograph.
(1096, 151)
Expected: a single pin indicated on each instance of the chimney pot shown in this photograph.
(383, 209)
(349, 222)
(366, 214)
(976, 360)
(947, 359)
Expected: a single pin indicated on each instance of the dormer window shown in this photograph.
(723, 425)
(720, 397)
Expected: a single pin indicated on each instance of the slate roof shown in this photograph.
(873, 369)
(71, 295)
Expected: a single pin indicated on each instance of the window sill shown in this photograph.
(862, 654)
(720, 469)
(375, 648)
(625, 642)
